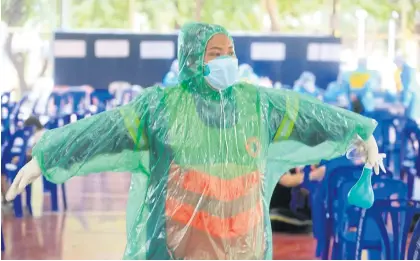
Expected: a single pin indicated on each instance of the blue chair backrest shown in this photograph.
(58, 100)
(386, 123)
(384, 187)
(325, 195)
(16, 148)
(77, 98)
(401, 213)
(103, 99)
(16, 115)
(411, 134)
(127, 96)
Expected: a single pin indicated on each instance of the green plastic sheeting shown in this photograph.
(204, 162)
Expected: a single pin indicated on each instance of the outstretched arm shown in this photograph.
(109, 141)
(314, 129)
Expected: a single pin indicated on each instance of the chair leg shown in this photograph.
(337, 251)
(374, 254)
(326, 250)
(28, 190)
(17, 206)
(47, 184)
(2, 241)
(349, 251)
(54, 198)
(410, 183)
(63, 191)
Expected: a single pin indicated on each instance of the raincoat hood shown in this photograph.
(192, 42)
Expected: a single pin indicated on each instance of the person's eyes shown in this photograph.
(232, 53)
(215, 54)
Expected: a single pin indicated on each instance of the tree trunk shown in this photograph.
(272, 10)
(177, 26)
(334, 17)
(18, 61)
(198, 8)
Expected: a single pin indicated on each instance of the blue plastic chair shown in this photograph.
(321, 197)
(17, 148)
(53, 189)
(386, 123)
(16, 116)
(347, 217)
(414, 247)
(104, 100)
(410, 155)
(59, 101)
(392, 244)
(5, 112)
(79, 99)
(324, 215)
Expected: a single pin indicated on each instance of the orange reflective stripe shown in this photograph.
(238, 225)
(212, 186)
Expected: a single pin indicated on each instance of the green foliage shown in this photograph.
(165, 15)
(92, 14)
(235, 14)
(29, 13)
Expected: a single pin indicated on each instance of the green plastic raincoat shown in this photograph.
(204, 162)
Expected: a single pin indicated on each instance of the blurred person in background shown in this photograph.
(247, 74)
(409, 88)
(171, 78)
(405, 76)
(360, 84)
(306, 85)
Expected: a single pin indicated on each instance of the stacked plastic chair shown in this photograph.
(392, 243)
(348, 216)
(334, 215)
(5, 119)
(101, 100)
(410, 154)
(13, 159)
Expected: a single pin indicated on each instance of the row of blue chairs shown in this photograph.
(15, 137)
(333, 218)
(354, 229)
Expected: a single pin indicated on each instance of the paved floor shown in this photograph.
(94, 226)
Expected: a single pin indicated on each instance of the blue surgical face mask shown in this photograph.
(222, 72)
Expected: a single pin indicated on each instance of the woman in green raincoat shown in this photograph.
(205, 155)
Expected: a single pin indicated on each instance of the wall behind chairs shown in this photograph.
(98, 59)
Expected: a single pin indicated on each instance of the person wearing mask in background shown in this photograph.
(405, 79)
(208, 153)
(282, 217)
(247, 74)
(306, 85)
(171, 78)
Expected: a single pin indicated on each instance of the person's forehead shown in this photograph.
(219, 40)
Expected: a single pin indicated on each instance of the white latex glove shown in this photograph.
(369, 151)
(26, 175)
